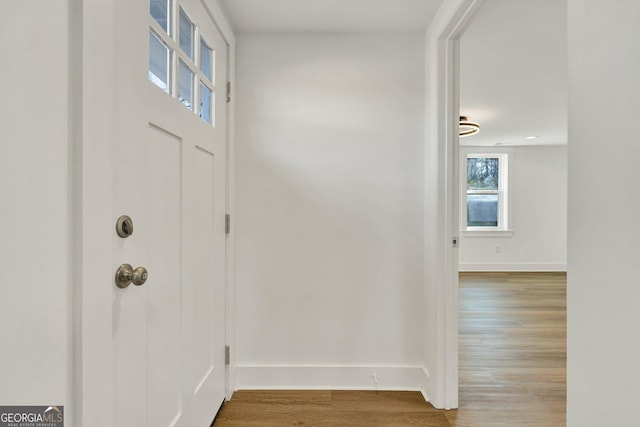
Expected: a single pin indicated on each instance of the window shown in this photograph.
(486, 192)
(207, 77)
(206, 59)
(178, 64)
(159, 63)
(186, 34)
(185, 85)
(159, 10)
(206, 102)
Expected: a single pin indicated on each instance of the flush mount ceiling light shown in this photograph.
(468, 128)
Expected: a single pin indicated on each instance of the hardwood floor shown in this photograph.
(512, 369)
(512, 350)
(329, 408)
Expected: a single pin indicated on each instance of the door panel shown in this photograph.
(209, 301)
(163, 317)
(203, 301)
(168, 174)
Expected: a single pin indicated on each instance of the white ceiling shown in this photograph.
(330, 15)
(513, 73)
(513, 55)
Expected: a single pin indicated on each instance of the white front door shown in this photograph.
(168, 169)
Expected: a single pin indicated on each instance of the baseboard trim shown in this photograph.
(523, 267)
(424, 386)
(319, 377)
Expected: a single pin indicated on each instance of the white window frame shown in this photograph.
(502, 229)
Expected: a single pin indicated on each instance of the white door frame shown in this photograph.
(442, 202)
(224, 26)
(94, 111)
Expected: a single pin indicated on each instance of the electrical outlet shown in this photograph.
(498, 249)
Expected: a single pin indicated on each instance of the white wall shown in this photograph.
(35, 204)
(604, 214)
(537, 214)
(329, 229)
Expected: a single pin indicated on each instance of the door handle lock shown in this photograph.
(125, 275)
(124, 226)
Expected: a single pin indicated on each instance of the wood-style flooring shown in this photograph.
(328, 408)
(512, 337)
(512, 369)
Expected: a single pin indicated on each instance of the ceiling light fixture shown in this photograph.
(531, 137)
(468, 128)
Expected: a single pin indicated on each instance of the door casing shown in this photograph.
(442, 198)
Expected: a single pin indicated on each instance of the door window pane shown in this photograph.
(185, 85)
(206, 59)
(482, 210)
(482, 173)
(206, 103)
(158, 62)
(186, 34)
(159, 9)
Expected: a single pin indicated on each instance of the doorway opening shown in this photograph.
(512, 199)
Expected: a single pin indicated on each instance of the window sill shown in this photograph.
(486, 233)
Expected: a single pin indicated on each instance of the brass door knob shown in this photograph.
(125, 275)
(139, 276)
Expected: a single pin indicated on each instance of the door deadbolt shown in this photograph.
(125, 275)
(124, 226)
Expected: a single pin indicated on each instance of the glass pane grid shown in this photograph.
(190, 67)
